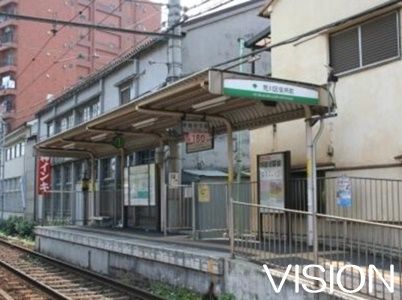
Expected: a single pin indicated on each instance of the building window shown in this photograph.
(8, 58)
(18, 150)
(369, 43)
(108, 168)
(125, 93)
(66, 122)
(95, 110)
(88, 112)
(50, 129)
(145, 157)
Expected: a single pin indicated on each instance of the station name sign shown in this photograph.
(270, 90)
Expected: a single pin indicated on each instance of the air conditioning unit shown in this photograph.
(49, 98)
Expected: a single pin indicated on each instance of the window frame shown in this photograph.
(127, 86)
(358, 26)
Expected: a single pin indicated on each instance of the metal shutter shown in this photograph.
(344, 50)
(380, 39)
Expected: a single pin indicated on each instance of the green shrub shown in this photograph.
(17, 226)
(25, 229)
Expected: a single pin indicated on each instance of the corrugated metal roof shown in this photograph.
(167, 107)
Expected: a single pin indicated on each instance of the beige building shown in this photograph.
(361, 41)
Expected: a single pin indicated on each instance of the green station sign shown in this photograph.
(270, 91)
(118, 142)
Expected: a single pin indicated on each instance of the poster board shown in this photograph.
(273, 179)
(141, 185)
(344, 192)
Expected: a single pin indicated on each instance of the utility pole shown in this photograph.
(3, 129)
(175, 66)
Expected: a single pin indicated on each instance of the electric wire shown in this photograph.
(124, 52)
(33, 59)
(66, 52)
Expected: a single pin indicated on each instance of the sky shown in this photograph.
(206, 5)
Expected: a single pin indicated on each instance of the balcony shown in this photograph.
(8, 2)
(8, 7)
(7, 110)
(8, 41)
(7, 91)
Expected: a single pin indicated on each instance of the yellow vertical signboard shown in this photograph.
(203, 193)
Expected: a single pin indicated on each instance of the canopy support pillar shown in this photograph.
(163, 188)
(92, 196)
(122, 178)
(230, 206)
(311, 145)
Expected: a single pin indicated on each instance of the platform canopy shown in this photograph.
(227, 100)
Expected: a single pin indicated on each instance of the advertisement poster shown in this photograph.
(272, 181)
(142, 185)
(44, 175)
(344, 191)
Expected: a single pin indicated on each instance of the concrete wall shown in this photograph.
(178, 265)
(368, 100)
(216, 39)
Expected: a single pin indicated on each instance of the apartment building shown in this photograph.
(38, 60)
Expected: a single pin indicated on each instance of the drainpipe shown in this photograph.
(174, 44)
(163, 191)
(241, 53)
(239, 160)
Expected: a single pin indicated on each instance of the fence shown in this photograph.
(180, 203)
(13, 203)
(76, 207)
(367, 232)
(377, 200)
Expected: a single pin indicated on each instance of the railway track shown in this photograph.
(37, 276)
(14, 287)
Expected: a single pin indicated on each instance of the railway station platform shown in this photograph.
(173, 259)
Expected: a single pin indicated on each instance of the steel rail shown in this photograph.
(36, 284)
(103, 280)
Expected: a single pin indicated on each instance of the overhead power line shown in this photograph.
(48, 41)
(90, 26)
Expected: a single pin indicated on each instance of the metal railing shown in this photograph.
(13, 203)
(79, 208)
(378, 200)
(180, 203)
(368, 232)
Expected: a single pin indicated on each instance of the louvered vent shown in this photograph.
(380, 39)
(371, 42)
(345, 50)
